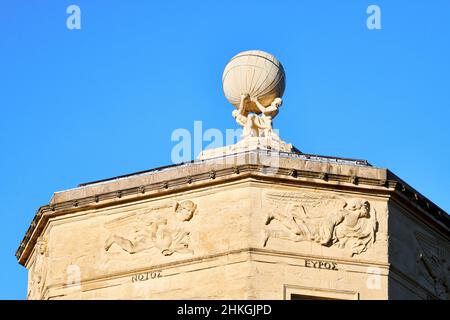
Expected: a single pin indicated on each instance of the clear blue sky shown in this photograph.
(81, 105)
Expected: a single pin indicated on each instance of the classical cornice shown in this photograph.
(389, 186)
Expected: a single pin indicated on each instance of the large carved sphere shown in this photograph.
(255, 72)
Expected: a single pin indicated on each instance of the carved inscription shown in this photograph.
(321, 265)
(146, 276)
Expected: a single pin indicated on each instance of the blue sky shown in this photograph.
(82, 105)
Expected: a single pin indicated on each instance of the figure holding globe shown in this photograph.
(254, 81)
(244, 119)
(267, 115)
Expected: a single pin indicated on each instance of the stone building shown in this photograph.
(255, 220)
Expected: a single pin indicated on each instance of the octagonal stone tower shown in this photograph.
(255, 220)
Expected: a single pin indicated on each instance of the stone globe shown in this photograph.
(256, 73)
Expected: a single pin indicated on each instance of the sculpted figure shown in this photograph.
(434, 263)
(439, 271)
(253, 125)
(257, 126)
(157, 234)
(352, 227)
(267, 114)
(184, 211)
(143, 239)
(357, 229)
(293, 220)
(347, 219)
(253, 82)
(244, 119)
(39, 272)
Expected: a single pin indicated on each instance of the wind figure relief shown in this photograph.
(164, 228)
(433, 262)
(328, 220)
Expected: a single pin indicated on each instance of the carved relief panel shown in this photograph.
(38, 271)
(325, 219)
(164, 228)
(433, 264)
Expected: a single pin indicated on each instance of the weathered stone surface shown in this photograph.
(321, 227)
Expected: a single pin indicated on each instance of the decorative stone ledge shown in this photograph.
(388, 185)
